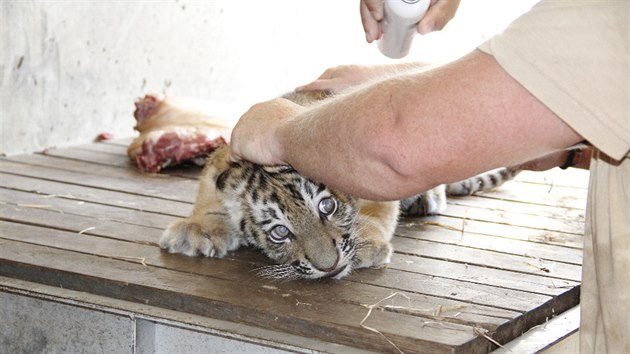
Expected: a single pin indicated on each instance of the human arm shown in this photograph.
(408, 133)
(341, 77)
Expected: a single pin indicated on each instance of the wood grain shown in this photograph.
(85, 218)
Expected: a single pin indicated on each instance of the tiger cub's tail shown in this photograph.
(481, 183)
(433, 201)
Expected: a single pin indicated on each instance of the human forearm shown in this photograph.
(334, 143)
(473, 117)
(414, 131)
(404, 135)
(339, 78)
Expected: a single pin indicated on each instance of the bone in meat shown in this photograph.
(173, 131)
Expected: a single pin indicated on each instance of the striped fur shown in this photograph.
(434, 201)
(245, 204)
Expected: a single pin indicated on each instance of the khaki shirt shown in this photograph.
(573, 57)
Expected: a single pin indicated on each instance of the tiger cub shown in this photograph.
(308, 229)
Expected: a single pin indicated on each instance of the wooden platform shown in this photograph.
(83, 218)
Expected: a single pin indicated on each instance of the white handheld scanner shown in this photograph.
(400, 19)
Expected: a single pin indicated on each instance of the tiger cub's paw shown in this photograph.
(431, 202)
(373, 254)
(192, 239)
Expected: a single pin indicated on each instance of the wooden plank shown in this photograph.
(490, 259)
(69, 208)
(464, 274)
(221, 299)
(47, 189)
(574, 177)
(503, 261)
(240, 270)
(80, 224)
(99, 212)
(488, 295)
(431, 232)
(183, 209)
(471, 273)
(411, 228)
(122, 180)
(536, 308)
(174, 188)
(42, 163)
(539, 194)
(558, 211)
(102, 158)
(23, 200)
(575, 226)
(100, 154)
(473, 294)
(136, 254)
(188, 171)
(113, 149)
(510, 232)
(105, 154)
(122, 249)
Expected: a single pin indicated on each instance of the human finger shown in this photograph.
(320, 83)
(438, 15)
(317, 85)
(332, 85)
(254, 136)
(327, 81)
(371, 15)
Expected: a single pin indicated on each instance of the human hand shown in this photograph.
(371, 17)
(254, 137)
(440, 12)
(341, 77)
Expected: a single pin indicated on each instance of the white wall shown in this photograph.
(72, 69)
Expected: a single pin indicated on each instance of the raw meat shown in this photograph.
(173, 131)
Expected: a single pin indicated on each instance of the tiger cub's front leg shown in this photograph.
(208, 231)
(375, 228)
(208, 236)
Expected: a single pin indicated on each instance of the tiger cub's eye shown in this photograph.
(327, 206)
(279, 234)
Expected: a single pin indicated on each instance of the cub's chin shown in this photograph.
(299, 270)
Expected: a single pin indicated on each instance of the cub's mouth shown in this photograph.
(336, 272)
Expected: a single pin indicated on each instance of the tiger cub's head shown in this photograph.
(307, 228)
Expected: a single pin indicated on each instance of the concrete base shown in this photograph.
(38, 318)
(558, 335)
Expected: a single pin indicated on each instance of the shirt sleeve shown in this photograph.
(573, 57)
